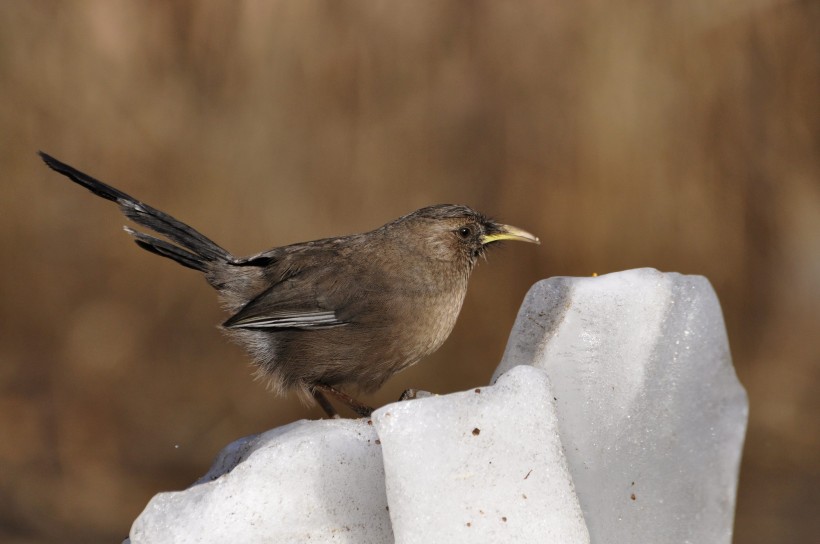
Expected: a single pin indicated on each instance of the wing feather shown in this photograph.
(293, 303)
(304, 320)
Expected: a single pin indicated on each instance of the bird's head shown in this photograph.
(451, 232)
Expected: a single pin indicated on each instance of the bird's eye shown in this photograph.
(465, 232)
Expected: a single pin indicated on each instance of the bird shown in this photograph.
(325, 315)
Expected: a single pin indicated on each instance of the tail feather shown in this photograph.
(163, 248)
(198, 249)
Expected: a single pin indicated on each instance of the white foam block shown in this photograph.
(485, 465)
(650, 411)
(310, 481)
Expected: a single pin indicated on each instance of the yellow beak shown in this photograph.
(510, 233)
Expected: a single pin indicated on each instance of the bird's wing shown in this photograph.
(305, 298)
(315, 285)
(282, 308)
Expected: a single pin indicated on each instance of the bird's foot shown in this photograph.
(410, 394)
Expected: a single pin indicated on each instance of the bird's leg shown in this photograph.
(361, 409)
(325, 404)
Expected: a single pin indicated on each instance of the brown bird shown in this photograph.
(352, 310)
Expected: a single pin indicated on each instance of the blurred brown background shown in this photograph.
(678, 135)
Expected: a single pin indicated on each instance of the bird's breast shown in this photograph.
(422, 322)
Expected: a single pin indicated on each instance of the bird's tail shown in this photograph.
(194, 250)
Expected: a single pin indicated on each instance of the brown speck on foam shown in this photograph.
(476, 431)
